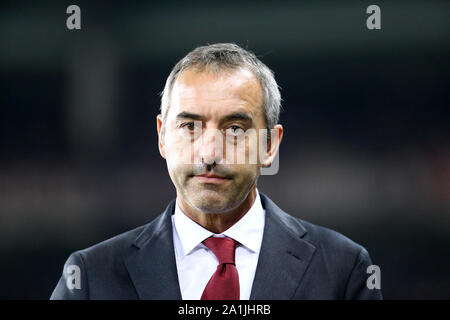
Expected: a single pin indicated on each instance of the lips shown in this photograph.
(208, 175)
(210, 178)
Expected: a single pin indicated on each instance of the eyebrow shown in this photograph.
(234, 116)
(238, 116)
(188, 115)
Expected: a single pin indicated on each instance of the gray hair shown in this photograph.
(222, 56)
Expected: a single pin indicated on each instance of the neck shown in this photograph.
(219, 222)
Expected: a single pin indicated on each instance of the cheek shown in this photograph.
(175, 156)
(179, 174)
(243, 150)
(178, 149)
(247, 174)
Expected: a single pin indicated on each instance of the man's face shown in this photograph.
(204, 168)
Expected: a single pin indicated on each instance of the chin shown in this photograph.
(212, 202)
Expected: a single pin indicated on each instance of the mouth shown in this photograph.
(210, 178)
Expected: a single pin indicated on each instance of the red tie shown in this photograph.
(224, 283)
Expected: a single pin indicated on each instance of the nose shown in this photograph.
(211, 144)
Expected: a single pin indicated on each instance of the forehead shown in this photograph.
(207, 92)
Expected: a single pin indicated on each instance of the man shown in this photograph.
(220, 238)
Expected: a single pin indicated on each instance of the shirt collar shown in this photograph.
(248, 231)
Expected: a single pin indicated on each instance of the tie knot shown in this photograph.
(223, 248)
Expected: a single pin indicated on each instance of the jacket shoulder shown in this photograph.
(117, 243)
(320, 237)
(118, 246)
(98, 267)
(329, 239)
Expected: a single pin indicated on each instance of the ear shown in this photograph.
(273, 144)
(159, 124)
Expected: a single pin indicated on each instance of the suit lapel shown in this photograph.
(283, 259)
(284, 256)
(151, 263)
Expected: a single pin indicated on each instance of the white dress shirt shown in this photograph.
(196, 263)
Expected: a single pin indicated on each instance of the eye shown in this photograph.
(191, 126)
(188, 125)
(234, 131)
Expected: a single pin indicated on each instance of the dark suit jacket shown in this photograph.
(298, 260)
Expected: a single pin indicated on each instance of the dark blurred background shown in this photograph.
(366, 113)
